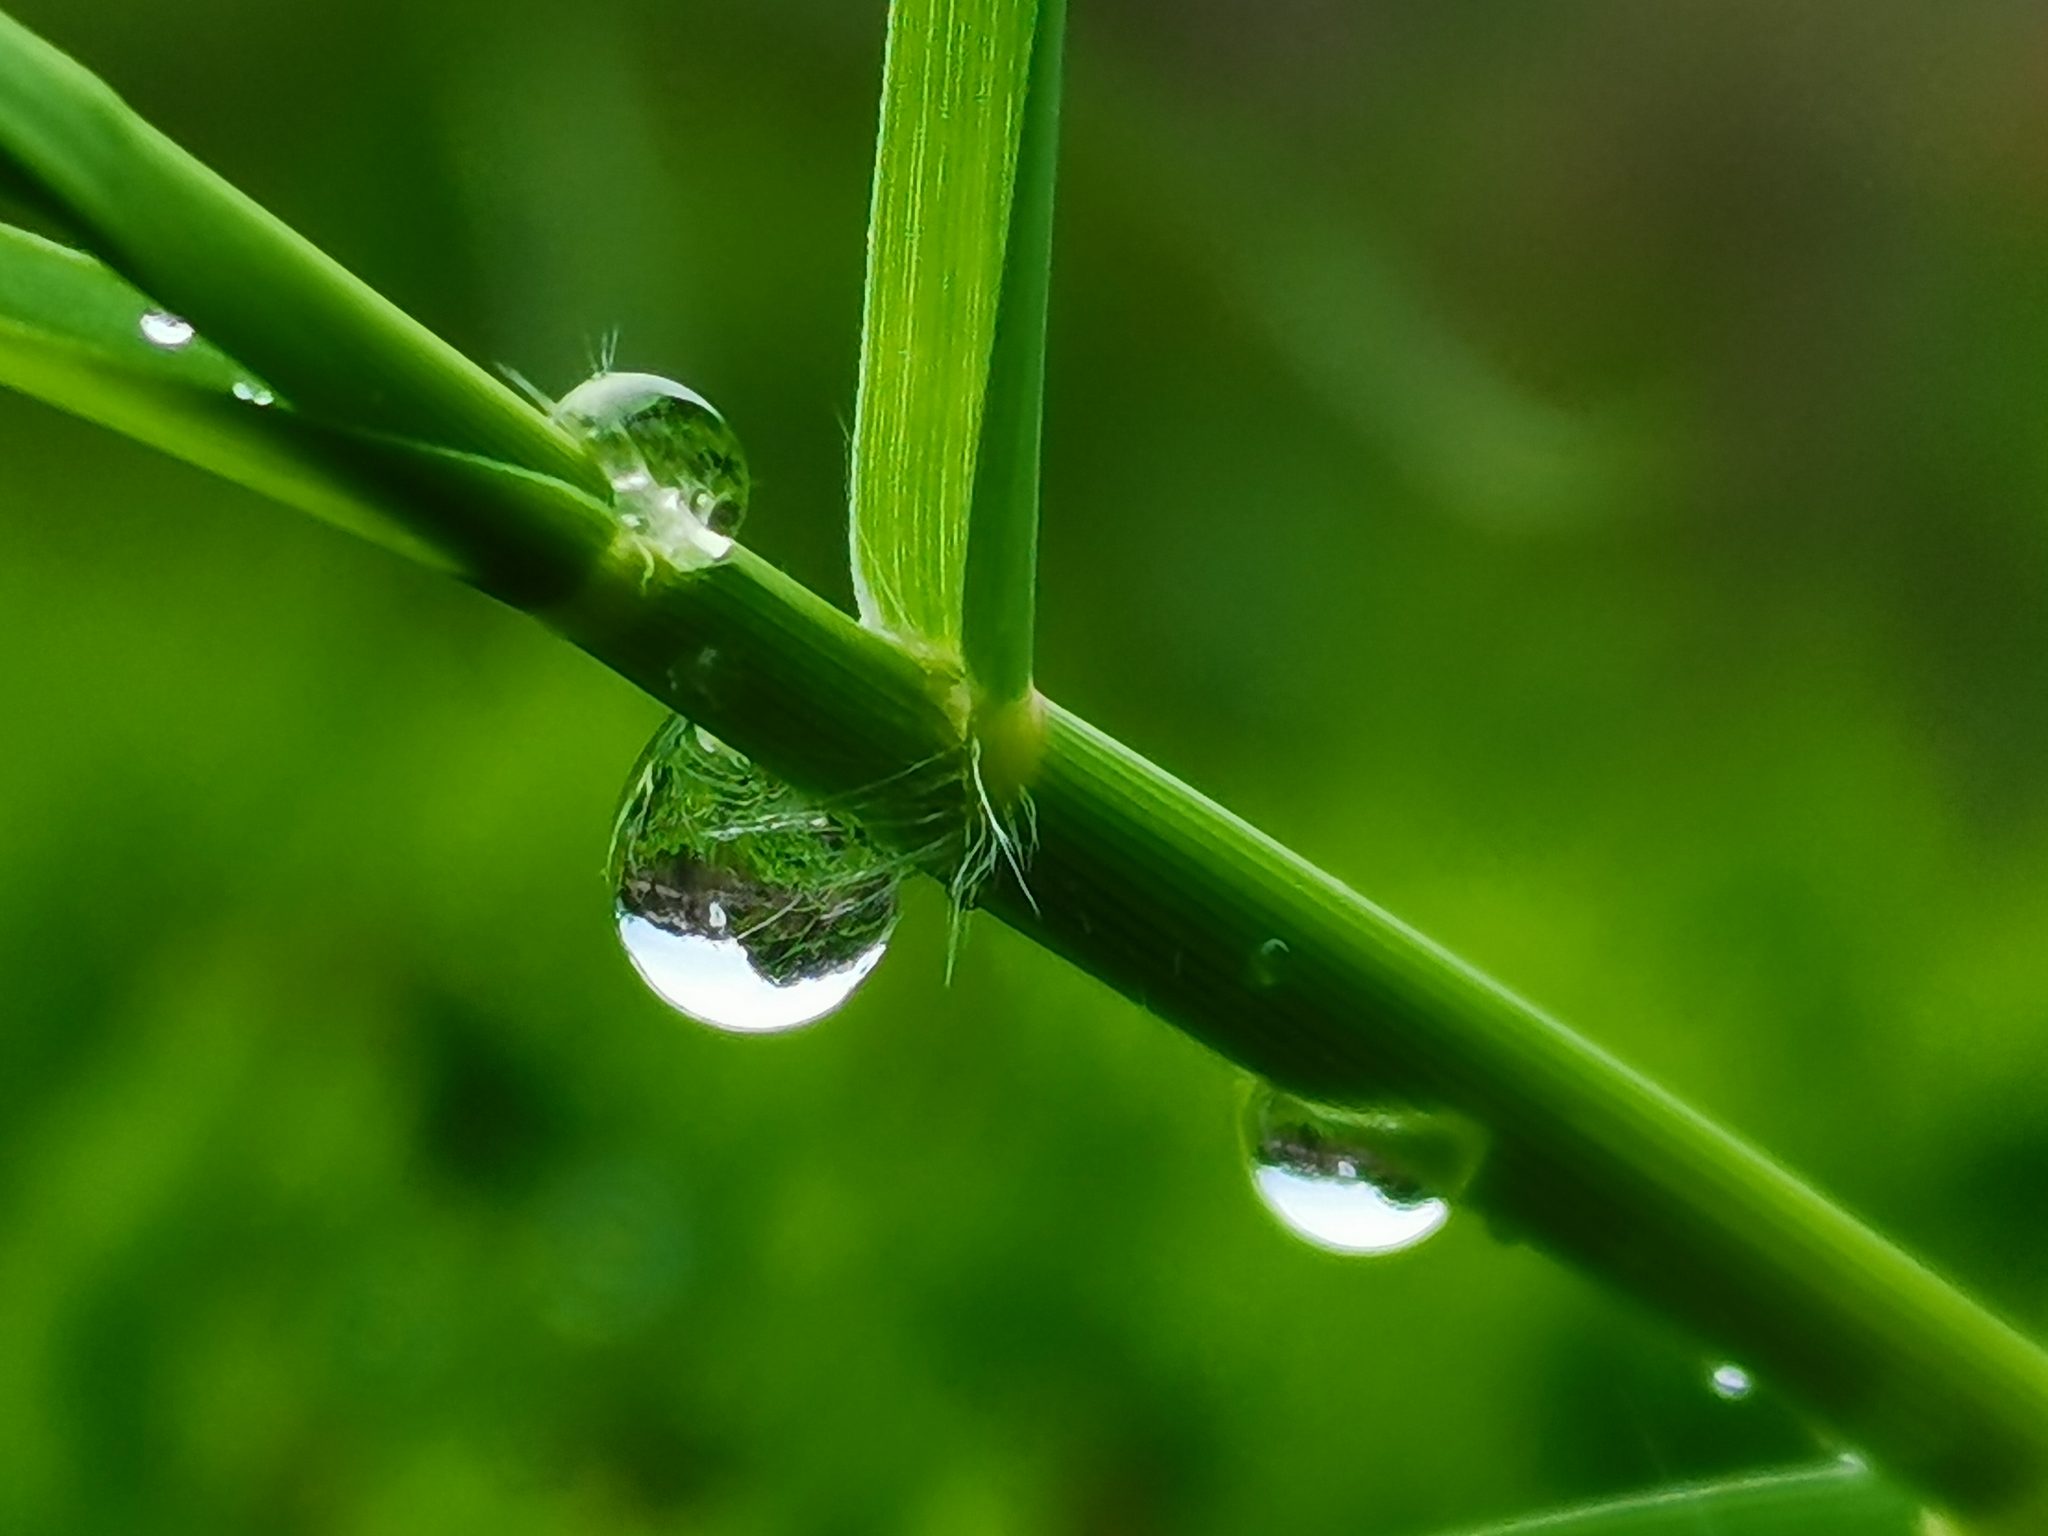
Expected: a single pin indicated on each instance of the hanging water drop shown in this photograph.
(168, 331)
(740, 901)
(1356, 1180)
(1730, 1382)
(676, 468)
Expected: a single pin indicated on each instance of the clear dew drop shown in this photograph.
(1730, 1382)
(676, 467)
(740, 901)
(252, 393)
(1355, 1181)
(167, 331)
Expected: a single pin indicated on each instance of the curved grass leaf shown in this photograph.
(71, 335)
(342, 352)
(1842, 1500)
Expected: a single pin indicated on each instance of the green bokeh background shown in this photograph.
(1577, 470)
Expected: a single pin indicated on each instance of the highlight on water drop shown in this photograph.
(740, 901)
(676, 467)
(1730, 1382)
(168, 331)
(1356, 1180)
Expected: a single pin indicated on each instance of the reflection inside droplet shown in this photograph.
(1347, 1214)
(713, 980)
(168, 331)
(1356, 1180)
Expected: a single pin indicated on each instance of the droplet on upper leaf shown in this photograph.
(676, 468)
(167, 331)
(740, 901)
(1362, 1181)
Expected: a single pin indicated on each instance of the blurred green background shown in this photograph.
(1576, 470)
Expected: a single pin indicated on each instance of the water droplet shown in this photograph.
(676, 468)
(1730, 1382)
(1344, 1212)
(1357, 1180)
(252, 392)
(167, 331)
(1269, 963)
(740, 901)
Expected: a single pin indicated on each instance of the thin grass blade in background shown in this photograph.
(1843, 1500)
(1364, 330)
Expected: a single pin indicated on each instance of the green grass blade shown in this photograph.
(953, 93)
(1823, 1501)
(21, 198)
(1002, 547)
(339, 350)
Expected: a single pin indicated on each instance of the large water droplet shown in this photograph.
(167, 331)
(1356, 1180)
(742, 902)
(676, 467)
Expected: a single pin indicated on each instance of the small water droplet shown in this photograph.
(1269, 964)
(255, 394)
(675, 466)
(168, 331)
(1730, 1382)
(1356, 1180)
(740, 901)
